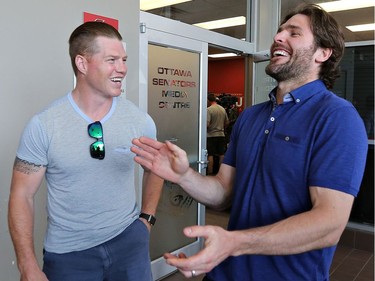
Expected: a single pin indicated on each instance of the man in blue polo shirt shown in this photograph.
(292, 169)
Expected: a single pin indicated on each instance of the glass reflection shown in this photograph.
(199, 11)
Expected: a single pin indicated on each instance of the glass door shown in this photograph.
(175, 81)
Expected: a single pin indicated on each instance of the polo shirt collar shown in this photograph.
(302, 93)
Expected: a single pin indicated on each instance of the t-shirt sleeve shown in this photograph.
(150, 128)
(33, 145)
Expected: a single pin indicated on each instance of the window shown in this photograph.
(356, 84)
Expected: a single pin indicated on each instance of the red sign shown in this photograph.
(92, 17)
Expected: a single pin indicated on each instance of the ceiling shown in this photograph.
(344, 18)
(206, 10)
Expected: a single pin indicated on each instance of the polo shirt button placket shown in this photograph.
(267, 131)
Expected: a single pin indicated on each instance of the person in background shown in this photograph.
(217, 119)
(81, 145)
(292, 169)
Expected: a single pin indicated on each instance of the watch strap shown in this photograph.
(149, 218)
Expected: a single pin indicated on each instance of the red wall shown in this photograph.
(226, 76)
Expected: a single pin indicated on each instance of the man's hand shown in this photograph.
(219, 244)
(166, 160)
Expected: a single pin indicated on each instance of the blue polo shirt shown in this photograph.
(314, 138)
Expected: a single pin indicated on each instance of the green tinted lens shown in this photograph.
(97, 150)
(95, 130)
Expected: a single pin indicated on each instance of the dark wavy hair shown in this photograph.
(82, 40)
(327, 34)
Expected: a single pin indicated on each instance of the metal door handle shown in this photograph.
(172, 140)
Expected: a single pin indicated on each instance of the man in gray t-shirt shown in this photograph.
(81, 145)
(217, 119)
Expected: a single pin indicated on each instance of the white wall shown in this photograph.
(34, 70)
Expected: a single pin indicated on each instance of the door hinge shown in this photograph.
(142, 27)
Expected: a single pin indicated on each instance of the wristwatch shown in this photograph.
(149, 218)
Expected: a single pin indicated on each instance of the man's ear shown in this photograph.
(323, 54)
(81, 63)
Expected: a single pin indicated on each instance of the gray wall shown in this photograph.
(34, 70)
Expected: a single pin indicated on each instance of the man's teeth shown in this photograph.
(116, 79)
(280, 53)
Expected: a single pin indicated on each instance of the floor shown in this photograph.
(349, 263)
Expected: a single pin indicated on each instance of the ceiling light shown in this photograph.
(153, 4)
(223, 55)
(343, 5)
(222, 23)
(361, 27)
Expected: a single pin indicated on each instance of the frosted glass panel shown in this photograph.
(173, 102)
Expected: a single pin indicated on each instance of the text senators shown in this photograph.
(173, 83)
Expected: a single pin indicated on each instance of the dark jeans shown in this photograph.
(123, 258)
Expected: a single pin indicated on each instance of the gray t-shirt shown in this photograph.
(89, 201)
(216, 120)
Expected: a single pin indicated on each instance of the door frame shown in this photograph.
(153, 36)
(166, 32)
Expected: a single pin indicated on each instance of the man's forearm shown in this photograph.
(152, 188)
(20, 218)
(212, 191)
(318, 228)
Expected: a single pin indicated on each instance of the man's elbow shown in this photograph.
(334, 236)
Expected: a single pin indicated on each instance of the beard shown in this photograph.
(295, 69)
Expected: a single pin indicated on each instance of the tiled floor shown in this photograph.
(349, 264)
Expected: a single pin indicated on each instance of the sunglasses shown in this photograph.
(97, 150)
